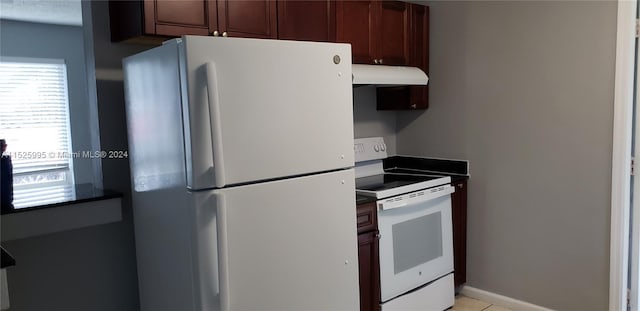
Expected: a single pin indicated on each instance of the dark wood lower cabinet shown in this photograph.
(369, 267)
(368, 260)
(459, 216)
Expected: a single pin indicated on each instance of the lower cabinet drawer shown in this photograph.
(366, 217)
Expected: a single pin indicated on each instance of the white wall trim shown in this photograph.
(621, 157)
(499, 300)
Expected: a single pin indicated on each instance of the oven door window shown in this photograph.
(416, 245)
(407, 253)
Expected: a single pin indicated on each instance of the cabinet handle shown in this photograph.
(378, 236)
(215, 33)
(460, 186)
(380, 61)
(375, 61)
(224, 34)
(413, 106)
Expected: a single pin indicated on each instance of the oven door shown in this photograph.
(416, 239)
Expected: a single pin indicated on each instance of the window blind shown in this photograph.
(34, 120)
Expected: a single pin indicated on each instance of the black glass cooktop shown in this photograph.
(388, 181)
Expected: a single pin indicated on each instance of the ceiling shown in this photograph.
(60, 12)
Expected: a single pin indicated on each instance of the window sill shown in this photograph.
(90, 208)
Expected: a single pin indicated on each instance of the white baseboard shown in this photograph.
(499, 300)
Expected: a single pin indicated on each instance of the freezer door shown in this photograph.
(282, 245)
(261, 109)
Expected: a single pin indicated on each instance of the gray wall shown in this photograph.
(24, 39)
(92, 268)
(368, 122)
(524, 91)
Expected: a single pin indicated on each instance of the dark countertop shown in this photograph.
(456, 169)
(454, 177)
(83, 193)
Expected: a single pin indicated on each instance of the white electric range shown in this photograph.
(414, 222)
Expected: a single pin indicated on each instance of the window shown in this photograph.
(34, 120)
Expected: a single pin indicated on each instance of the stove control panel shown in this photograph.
(371, 148)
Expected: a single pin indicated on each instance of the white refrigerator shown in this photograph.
(241, 154)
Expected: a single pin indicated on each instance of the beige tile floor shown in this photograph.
(464, 303)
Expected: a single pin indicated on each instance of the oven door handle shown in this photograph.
(415, 197)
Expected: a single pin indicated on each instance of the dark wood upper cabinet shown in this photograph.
(248, 19)
(419, 37)
(377, 30)
(419, 98)
(414, 97)
(154, 20)
(393, 33)
(175, 18)
(355, 24)
(307, 20)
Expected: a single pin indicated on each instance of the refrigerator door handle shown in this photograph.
(216, 125)
(223, 259)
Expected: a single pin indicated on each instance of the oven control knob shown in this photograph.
(383, 147)
(376, 148)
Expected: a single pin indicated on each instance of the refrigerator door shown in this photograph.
(262, 109)
(278, 245)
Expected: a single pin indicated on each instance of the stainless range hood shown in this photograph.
(382, 75)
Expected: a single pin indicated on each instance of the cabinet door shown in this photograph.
(459, 216)
(369, 268)
(419, 98)
(176, 18)
(414, 97)
(248, 19)
(355, 24)
(393, 33)
(367, 217)
(307, 20)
